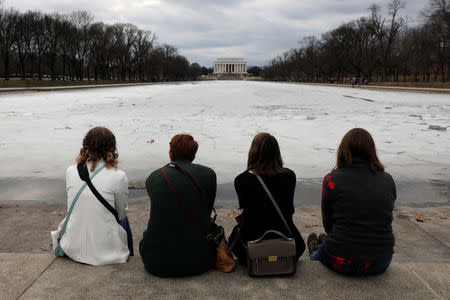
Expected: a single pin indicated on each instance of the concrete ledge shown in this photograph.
(80, 87)
(65, 279)
(20, 271)
(379, 87)
(420, 268)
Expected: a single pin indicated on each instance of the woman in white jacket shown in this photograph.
(92, 234)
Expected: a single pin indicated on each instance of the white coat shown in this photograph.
(92, 234)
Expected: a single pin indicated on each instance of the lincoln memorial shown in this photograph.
(230, 65)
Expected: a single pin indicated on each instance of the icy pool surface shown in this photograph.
(41, 133)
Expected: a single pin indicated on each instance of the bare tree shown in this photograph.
(81, 21)
(8, 22)
(24, 39)
(438, 26)
(386, 31)
(74, 47)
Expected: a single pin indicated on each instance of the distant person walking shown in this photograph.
(90, 233)
(173, 245)
(357, 203)
(259, 214)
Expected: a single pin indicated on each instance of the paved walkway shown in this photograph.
(78, 87)
(28, 270)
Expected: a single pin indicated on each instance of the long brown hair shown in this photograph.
(264, 157)
(358, 142)
(99, 143)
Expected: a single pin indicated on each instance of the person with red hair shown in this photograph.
(173, 245)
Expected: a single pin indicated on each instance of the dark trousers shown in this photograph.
(237, 245)
(348, 267)
(126, 225)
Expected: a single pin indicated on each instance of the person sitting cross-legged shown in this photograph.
(259, 213)
(357, 203)
(173, 244)
(96, 232)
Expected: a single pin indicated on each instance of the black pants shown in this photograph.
(237, 245)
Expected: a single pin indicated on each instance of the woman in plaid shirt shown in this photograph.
(357, 203)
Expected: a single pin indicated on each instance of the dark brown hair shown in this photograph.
(264, 157)
(183, 147)
(358, 142)
(99, 143)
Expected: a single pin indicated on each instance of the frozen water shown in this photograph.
(41, 133)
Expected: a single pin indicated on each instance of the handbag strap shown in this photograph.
(274, 202)
(84, 175)
(266, 233)
(209, 237)
(76, 199)
(195, 183)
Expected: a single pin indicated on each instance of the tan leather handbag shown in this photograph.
(275, 255)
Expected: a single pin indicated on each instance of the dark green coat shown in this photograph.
(173, 245)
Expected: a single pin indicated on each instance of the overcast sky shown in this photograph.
(203, 30)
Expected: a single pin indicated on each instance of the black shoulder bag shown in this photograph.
(84, 175)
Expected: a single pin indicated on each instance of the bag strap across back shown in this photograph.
(274, 203)
(209, 237)
(63, 230)
(84, 175)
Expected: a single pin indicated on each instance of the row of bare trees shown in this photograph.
(74, 47)
(375, 47)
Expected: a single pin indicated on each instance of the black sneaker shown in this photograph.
(322, 237)
(312, 242)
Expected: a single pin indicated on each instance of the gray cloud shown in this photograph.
(203, 30)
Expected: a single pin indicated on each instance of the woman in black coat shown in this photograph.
(357, 203)
(259, 213)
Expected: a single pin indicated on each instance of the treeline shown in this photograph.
(375, 47)
(36, 45)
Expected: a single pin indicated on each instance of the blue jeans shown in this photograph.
(349, 267)
(126, 225)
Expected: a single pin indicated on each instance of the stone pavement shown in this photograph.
(28, 270)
